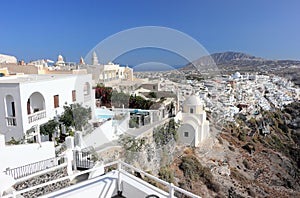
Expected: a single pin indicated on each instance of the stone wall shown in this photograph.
(43, 178)
(110, 154)
(29, 69)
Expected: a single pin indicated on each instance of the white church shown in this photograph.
(194, 128)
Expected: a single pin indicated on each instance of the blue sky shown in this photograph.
(34, 29)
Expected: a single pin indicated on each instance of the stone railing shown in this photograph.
(11, 121)
(36, 116)
(38, 180)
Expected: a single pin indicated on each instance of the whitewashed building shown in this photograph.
(30, 100)
(106, 73)
(194, 128)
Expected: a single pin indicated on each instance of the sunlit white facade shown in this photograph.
(30, 100)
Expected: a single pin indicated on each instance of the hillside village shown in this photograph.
(207, 135)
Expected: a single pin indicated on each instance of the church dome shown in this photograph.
(192, 101)
(60, 58)
(236, 75)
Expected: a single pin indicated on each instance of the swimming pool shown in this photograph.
(104, 116)
(103, 113)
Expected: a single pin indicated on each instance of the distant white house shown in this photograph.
(195, 127)
(106, 73)
(7, 59)
(30, 100)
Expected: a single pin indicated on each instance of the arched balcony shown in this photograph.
(10, 111)
(36, 107)
(87, 92)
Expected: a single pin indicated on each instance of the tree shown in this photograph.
(118, 99)
(67, 117)
(76, 116)
(152, 95)
(49, 128)
(137, 102)
(164, 134)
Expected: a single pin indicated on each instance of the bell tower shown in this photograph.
(94, 59)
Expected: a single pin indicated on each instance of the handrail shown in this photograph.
(11, 120)
(32, 168)
(171, 186)
(36, 116)
(144, 173)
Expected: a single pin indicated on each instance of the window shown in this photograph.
(56, 101)
(28, 107)
(154, 87)
(86, 89)
(186, 134)
(73, 95)
(191, 110)
(13, 109)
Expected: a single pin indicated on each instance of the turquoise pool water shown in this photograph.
(104, 116)
(103, 113)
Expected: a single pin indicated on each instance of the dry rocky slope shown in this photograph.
(236, 163)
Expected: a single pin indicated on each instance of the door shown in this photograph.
(28, 107)
(13, 109)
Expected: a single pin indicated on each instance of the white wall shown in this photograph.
(58, 86)
(18, 155)
(191, 139)
(101, 135)
(61, 85)
(10, 131)
(124, 124)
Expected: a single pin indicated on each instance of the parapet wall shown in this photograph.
(43, 178)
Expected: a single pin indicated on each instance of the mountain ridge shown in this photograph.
(240, 59)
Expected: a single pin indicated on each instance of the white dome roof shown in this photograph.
(236, 75)
(193, 100)
(60, 58)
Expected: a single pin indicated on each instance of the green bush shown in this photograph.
(133, 123)
(242, 137)
(166, 174)
(283, 127)
(12, 141)
(194, 171)
(72, 133)
(152, 95)
(164, 134)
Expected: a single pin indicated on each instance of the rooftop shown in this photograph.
(33, 78)
(193, 100)
(116, 183)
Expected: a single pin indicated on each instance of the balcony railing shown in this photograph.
(29, 169)
(11, 121)
(36, 116)
(122, 169)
